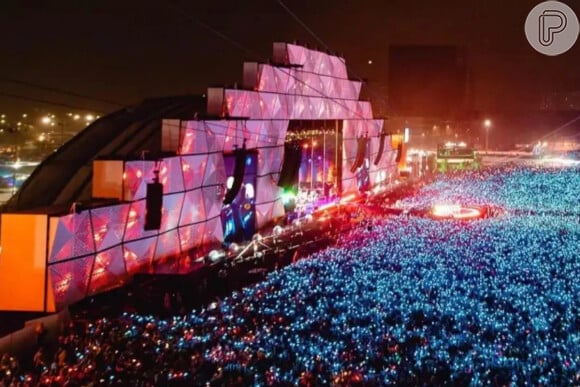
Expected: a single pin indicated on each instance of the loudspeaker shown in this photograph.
(239, 172)
(381, 148)
(399, 152)
(153, 204)
(290, 166)
(361, 151)
(327, 187)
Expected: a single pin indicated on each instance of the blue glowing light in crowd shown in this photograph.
(489, 301)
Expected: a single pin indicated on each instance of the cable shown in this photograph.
(328, 97)
(16, 96)
(237, 137)
(246, 50)
(311, 32)
(60, 91)
(189, 17)
(299, 21)
(510, 159)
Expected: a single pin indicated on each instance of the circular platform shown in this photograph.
(456, 211)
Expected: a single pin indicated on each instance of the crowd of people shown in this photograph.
(408, 300)
(529, 189)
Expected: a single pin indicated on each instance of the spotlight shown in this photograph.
(309, 218)
(278, 230)
(257, 237)
(215, 255)
(234, 248)
(249, 191)
(230, 182)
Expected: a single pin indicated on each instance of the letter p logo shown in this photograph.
(552, 22)
(552, 28)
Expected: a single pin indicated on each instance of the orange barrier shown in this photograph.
(24, 280)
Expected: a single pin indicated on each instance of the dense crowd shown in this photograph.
(408, 300)
(517, 189)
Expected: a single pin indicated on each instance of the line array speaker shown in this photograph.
(361, 151)
(153, 205)
(399, 152)
(239, 172)
(381, 148)
(291, 165)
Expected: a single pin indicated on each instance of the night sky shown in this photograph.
(124, 51)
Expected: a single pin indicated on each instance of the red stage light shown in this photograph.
(326, 206)
(348, 198)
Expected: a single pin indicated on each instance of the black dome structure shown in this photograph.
(91, 216)
(65, 177)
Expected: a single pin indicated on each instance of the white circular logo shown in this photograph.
(552, 28)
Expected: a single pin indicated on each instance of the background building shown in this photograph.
(429, 91)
